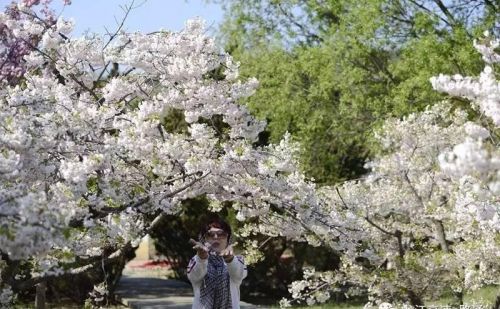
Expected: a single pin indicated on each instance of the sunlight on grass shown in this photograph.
(485, 295)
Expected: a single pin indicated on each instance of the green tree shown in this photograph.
(332, 70)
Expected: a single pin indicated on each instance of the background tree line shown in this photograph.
(330, 71)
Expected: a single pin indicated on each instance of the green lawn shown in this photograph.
(486, 295)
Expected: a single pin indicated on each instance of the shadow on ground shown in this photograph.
(156, 293)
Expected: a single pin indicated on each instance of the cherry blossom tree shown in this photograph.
(429, 207)
(89, 162)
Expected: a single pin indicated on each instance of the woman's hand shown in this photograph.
(201, 250)
(228, 253)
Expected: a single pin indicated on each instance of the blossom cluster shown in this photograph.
(428, 210)
(21, 29)
(484, 92)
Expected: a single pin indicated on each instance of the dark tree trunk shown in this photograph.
(458, 299)
(415, 300)
(41, 288)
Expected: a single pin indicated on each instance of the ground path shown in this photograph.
(147, 289)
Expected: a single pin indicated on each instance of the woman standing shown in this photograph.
(215, 273)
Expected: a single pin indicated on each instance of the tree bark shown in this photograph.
(415, 300)
(496, 305)
(41, 288)
(441, 236)
(458, 299)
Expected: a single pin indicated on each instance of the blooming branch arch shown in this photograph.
(88, 157)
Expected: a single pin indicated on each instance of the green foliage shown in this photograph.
(174, 121)
(93, 185)
(331, 71)
(298, 94)
(7, 232)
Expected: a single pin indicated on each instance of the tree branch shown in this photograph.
(116, 255)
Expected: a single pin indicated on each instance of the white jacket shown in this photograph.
(197, 270)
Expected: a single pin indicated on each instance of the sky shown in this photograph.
(147, 16)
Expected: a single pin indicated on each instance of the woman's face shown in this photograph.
(217, 238)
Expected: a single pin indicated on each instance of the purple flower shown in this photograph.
(13, 47)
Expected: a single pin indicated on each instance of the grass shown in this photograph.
(336, 306)
(485, 295)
